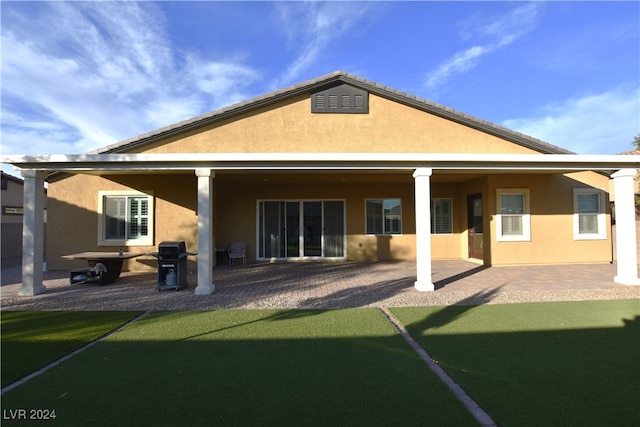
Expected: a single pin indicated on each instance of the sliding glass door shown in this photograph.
(333, 229)
(301, 229)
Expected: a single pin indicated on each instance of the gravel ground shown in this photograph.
(97, 298)
(206, 303)
(326, 286)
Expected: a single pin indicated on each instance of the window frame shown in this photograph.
(525, 236)
(142, 241)
(600, 216)
(434, 215)
(384, 231)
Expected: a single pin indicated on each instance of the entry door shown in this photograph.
(475, 225)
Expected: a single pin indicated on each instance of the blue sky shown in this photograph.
(77, 76)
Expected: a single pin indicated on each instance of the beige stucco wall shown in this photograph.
(73, 215)
(551, 201)
(236, 212)
(73, 218)
(290, 127)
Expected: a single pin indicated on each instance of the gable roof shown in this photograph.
(319, 83)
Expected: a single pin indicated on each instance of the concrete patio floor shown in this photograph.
(327, 285)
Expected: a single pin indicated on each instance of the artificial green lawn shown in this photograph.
(32, 339)
(246, 367)
(552, 364)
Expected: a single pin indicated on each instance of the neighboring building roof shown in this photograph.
(326, 81)
(630, 153)
(12, 178)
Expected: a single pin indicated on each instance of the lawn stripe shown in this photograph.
(70, 355)
(472, 406)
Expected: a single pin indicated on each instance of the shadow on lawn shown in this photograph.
(560, 376)
(280, 315)
(350, 299)
(527, 378)
(451, 313)
(448, 314)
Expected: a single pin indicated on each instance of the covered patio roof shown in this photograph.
(458, 163)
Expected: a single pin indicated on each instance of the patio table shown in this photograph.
(112, 261)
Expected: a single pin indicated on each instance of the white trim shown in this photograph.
(147, 241)
(601, 215)
(526, 215)
(34, 201)
(422, 194)
(79, 163)
(626, 249)
(206, 246)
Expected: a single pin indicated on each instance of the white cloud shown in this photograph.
(19, 132)
(225, 82)
(311, 27)
(602, 123)
(101, 72)
(496, 34)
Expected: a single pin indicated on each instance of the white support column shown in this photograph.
(626, 249)
(33, 233)
(423, 229)
(205, 232)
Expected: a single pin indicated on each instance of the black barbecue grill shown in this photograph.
(172, 265)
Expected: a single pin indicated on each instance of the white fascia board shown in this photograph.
(321, 161)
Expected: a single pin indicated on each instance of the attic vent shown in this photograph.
(358, 101)
(333, 102)
(340, 99)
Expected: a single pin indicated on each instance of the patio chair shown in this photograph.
(238, 250)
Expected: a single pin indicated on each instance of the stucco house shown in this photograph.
(337, 168)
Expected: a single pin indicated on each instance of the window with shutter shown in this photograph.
(512, 209)
(589, 214)
(115, 208)
(441, 222)
(513, 218)
(511, 225)
(125, 218)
